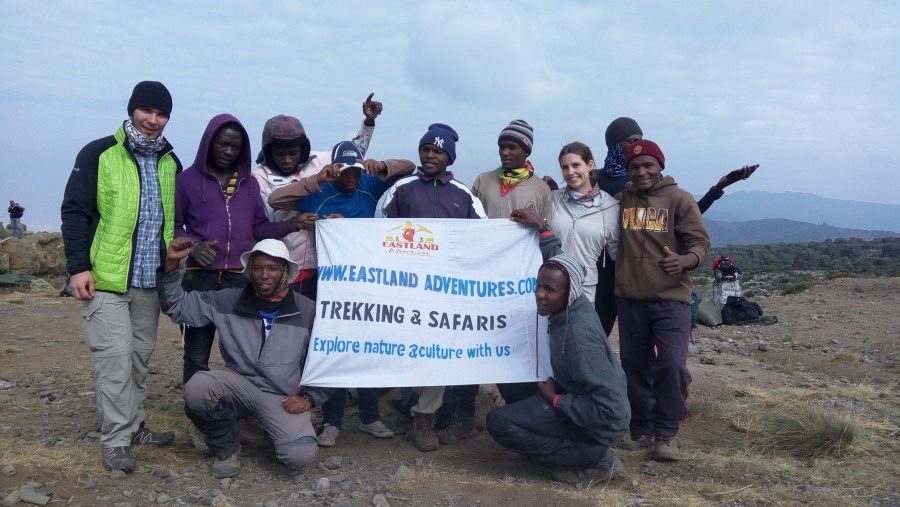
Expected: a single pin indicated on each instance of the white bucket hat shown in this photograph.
(274, 248)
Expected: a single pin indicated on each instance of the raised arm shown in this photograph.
(718, 190)
(287, 196)
(389, 170)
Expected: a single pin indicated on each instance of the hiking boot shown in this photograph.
(118, 458)
(250, 434)
(462, 427)
(328, 436)
(637, 443)
(144, 436)
(609, 468)
(666, 449)
(377, 429)
(228, 467)
(197, 438)
(423, 433)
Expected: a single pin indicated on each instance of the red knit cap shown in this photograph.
(644, 147)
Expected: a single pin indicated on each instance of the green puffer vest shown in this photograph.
(118, 201)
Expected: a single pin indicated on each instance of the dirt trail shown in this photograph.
(845, 330)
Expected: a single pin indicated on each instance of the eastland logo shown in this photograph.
(410, 239)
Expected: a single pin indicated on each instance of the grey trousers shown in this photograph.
(120, 330)
(218, 398)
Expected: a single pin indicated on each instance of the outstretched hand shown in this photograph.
(527, 218)
(734, 176)
(372, 108)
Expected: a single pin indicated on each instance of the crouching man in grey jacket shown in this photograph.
(264, 331)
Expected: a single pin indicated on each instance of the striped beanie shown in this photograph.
(573, 269)
(519, 132)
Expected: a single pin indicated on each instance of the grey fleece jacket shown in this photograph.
(275, 364)
(585, 368)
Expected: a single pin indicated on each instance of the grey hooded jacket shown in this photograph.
(585, 367)
(275, 364)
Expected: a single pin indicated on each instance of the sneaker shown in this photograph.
(462, 427)
(228, 467)
(197, 438)
(377, 429)
(118, 458)
(608, 468)
(637, 443)
(328, 436)
(144, 436)
(666, 449)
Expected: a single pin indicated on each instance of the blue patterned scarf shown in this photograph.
(614, 165)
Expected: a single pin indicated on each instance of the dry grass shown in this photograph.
(847, 357)
(811, 432)
(81, 460)
(9, 350)
(852, 458)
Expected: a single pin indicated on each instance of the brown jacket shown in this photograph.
(663, 216)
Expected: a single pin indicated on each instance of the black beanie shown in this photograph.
(150, 94)
(620, 128)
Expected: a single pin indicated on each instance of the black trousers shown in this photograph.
(538, 431)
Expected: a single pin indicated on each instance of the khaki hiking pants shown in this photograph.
(120, 330)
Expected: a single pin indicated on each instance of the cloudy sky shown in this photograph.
(809, 90)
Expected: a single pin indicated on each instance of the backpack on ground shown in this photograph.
(727, 280)
(738, 309)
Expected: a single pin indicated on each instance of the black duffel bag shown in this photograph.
(737, 309)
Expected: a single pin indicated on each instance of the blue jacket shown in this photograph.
(418, 196)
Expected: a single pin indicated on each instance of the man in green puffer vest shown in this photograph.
(117, 220)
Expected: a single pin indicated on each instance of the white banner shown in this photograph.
(426, 302)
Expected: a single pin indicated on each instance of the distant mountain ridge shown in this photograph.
(744, 206)
(780, 230)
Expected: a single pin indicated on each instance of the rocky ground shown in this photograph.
(843, 332)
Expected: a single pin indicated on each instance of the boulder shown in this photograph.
(39, 254)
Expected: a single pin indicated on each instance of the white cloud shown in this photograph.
(808, 89)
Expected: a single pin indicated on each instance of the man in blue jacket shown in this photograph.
(431, 192)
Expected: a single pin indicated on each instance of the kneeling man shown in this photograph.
(264, 331)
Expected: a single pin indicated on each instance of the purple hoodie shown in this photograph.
(202, 214)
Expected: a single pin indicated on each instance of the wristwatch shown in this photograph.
(546, 226)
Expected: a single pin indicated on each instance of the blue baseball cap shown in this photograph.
(346, 153)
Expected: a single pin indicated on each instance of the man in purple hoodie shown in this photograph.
(218, 205)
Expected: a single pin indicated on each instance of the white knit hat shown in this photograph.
(274, 248)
